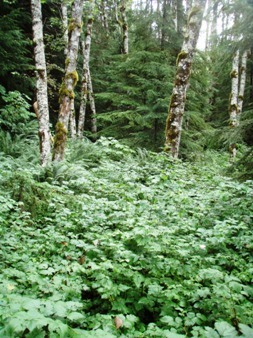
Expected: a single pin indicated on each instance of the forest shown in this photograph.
(126, 168)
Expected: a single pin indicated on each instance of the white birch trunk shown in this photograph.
(41, 75)
(125, 38)
(92, 105)
(64, 12)
(85, 77)
(72, 120)
(184, 62)
(104, 17)
(70, 80)
(233, 109)
(242, 83)
(122, 22)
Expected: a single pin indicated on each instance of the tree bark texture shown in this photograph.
(69, 82)
(242, 83)
(184, 63)
(41, 83)
(85, 77)
(92, 106)
(64, 12)
(122, 22)
(233, 108)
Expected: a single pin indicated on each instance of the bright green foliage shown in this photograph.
(165, 246)
(14, 113)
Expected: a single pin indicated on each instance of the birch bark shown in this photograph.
(122, 22)
(184, 63)
(41, 84)
(85, 77)
(64, 12)
(72, 119)
(69, 81)
(233, 108)
(242, 83)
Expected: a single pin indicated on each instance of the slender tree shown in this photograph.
(184, 64)
(122, 22)
(64, 13)
(64, 10)
(87, 90)
(233, 108)
(242, 83)
(69, 81)
(41, 105)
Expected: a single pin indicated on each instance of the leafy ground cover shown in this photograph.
(118, 243)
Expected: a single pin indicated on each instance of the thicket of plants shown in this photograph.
(163, 247)
(119, 241)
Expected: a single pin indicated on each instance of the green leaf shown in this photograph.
(225, 330)
(75, 316)
(246, 331)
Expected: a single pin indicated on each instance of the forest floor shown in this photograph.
(114, 242)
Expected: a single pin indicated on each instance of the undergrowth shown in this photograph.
(162, 248)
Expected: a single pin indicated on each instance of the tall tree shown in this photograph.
(184, 64)
(87, 89)
(41, 105)
(242, 82)
(69, 82)
(233, 107)
(64, 13)
(122, 22)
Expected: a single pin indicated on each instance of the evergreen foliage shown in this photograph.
(15, 55)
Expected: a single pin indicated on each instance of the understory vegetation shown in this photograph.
(115, 242)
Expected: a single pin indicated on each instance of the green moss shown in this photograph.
(181, 55)
(64, 91)
(73, 25)
(233, 74)
(67, 61)
(60, 135)
(241, 97)
(74, 76)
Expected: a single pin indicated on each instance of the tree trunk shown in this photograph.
(104, 18)
(233, 109)
(92, 105)
(122, 22)
(184, 63)
(207, 19)
(41, 76)
(125, 48)
(214, 33)
(164, 23)
(242, 83)
(69, 81)
(85, 77)
(72, 120)
(64, 12)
